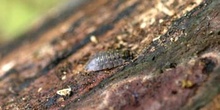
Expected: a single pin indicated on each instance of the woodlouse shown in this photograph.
(107, 60)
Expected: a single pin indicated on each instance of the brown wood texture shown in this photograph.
(175, 45)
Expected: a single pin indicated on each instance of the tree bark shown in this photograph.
(175, 65)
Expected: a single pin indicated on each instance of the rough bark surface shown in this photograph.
(176, 51)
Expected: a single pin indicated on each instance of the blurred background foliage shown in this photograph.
(16, 16)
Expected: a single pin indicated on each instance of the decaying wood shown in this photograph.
(175, 66)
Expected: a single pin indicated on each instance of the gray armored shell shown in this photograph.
(107, 60)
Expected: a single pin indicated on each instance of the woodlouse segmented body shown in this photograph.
(107, 60)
